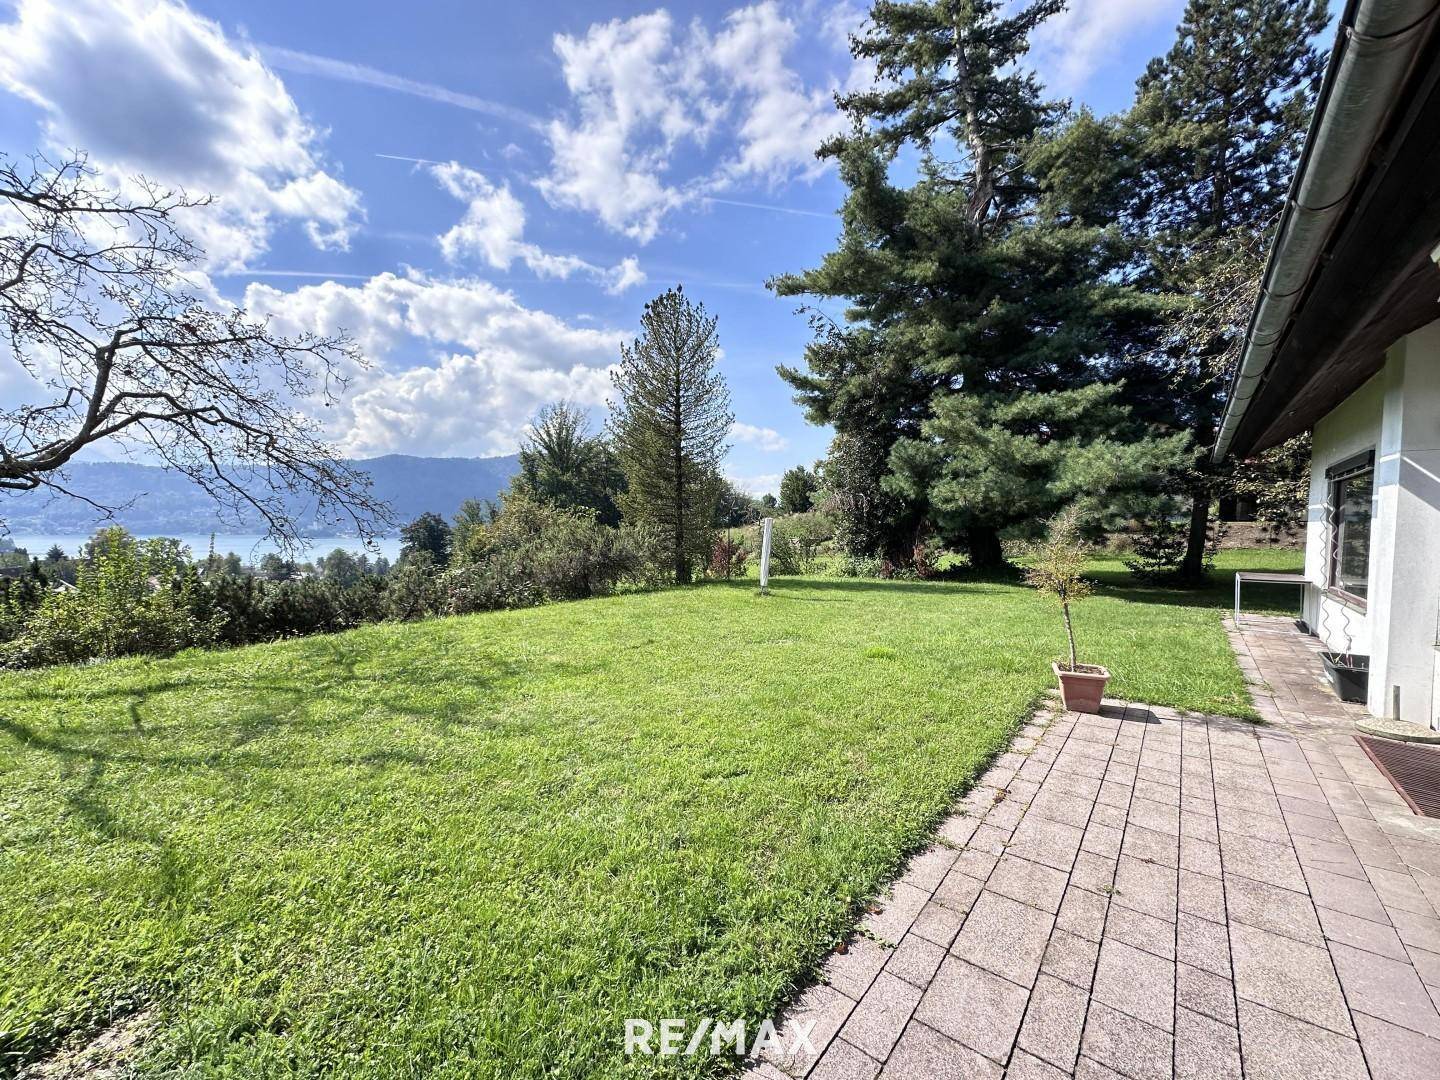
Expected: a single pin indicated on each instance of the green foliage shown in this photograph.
(734, 508)
(535, 552)
(867, 517)
(983, 299)
(340, 567)
(256, 609)
(19, 597)
(797, 490)
(795, 542)
(429, 534)
(1278, 481)
(1057, 565)
(129, 598)
(1215, 133)
(561, 463)
(1158, 543)
(1041, 451)
(669, 426)
(468, 532)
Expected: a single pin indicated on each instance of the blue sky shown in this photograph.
(486, 194)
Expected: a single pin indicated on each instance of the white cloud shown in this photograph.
(765, 484)
(147, 86)
(1070, 47)
(493, 230)
(767, 439)
(645, 90)
(784, 121)
(490, 361)
(624, 275)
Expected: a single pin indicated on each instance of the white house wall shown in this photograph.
(1351, 428)
(1397, 414)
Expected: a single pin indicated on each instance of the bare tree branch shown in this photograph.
(99, 305)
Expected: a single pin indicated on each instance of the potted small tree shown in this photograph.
(1056, 565)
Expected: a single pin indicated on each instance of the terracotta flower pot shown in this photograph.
(1082, 689)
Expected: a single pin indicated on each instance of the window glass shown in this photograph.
(1350, 559)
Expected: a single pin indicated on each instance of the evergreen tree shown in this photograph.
(982, 302)
(669, 426)
(429, 535)
(797, 490)
(734, 508)
(561, 464)
(867, 517)
(1217, 128)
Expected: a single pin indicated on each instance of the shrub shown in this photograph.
(795, 542)
(534, 552)
(19, 597)
(1157, 547)
(127, 600)
(727, 558)
(862, 566)
(414, 589)
(924, 560)
(134, 597)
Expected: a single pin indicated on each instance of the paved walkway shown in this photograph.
(1150, 895)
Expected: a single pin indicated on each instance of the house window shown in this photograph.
(1352, 487)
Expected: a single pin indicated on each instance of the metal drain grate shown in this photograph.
(1414, 770)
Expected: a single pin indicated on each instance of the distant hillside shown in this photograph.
(166, 502)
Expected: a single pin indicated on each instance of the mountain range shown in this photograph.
(161, 501)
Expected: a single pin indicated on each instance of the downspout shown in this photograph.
(1375, 46)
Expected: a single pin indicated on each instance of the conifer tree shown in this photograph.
(561, 463)
(983, 301)
(1217, 128)
(797, 490)
(669, 425)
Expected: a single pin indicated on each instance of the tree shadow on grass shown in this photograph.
(782, 586)
(322, 689)
(1217, 593)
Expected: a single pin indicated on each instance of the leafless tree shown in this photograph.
(99, 305)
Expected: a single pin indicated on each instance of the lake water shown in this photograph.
(249, 548)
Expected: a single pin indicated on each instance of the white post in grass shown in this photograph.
(765, 528)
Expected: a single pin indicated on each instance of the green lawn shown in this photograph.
(472, 847)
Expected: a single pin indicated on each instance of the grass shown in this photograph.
(471, 847)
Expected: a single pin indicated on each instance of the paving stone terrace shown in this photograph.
(1149, 895)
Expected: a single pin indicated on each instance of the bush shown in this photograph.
(863, 566)
(727, 558)
(415, 589)
(19, 597)
(1157, 547)
(128, 600)
(925, 560)
(795, 542)
(146, 598)
(534, 552)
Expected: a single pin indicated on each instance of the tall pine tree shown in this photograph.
(669, 425)
(1217, 128)
(982, 301)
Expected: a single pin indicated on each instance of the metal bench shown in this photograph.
(1263, 576)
